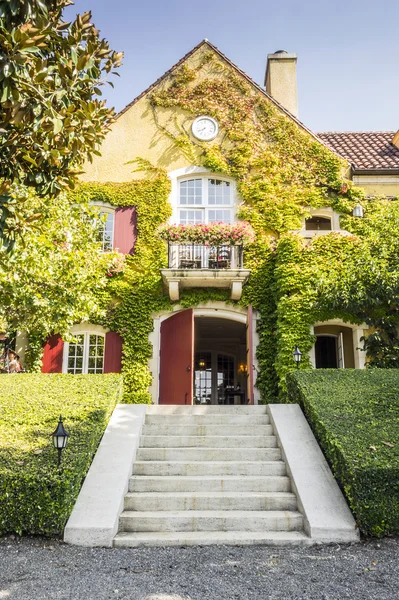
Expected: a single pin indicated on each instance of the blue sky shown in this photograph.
(348, 51)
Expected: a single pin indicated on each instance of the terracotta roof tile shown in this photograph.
(364, 149)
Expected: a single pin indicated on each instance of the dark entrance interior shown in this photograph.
(326, 352)
(220, 370)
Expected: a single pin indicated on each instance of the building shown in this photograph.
(228, 147)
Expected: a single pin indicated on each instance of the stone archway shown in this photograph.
(348, 347)
(222, 314)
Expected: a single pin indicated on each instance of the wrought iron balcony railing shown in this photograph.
(194, 256)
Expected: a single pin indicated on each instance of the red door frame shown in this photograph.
(250, 357)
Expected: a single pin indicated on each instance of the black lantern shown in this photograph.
(297, 354)
(60, 438)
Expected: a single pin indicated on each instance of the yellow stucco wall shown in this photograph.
(136, 134)
(373, 185)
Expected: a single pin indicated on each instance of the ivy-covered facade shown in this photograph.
(216, 318)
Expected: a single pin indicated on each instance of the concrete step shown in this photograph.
(207, 419)
(204, 409)
(201, 468)
(222, 430)
(207, 441)
(214, 501)
(207, 483)
(197, 520)
(211, 454)
(127, 539)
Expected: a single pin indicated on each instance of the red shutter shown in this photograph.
(177, 359)
(52, 355)
(125, 229)
(113, 353)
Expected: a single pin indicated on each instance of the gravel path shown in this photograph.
(37, 569)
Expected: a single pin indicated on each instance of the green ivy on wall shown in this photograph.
(281, 171)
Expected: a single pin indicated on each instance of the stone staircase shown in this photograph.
(209, 475)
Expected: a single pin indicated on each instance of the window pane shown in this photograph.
(191, 191)
(191, 217)
(318, 224)
(219, 216)
(219, 192)
(106, 231)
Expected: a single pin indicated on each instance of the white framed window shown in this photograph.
(86, 354)
(205, 199)
(321, 221)
(106, 231)
(106, 225)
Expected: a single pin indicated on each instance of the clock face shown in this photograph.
(205, 128)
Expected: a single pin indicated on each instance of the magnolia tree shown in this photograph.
(51, 117)
(55, 278)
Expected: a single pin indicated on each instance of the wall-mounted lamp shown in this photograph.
(358, 211)
(297, 354)
(243, 368)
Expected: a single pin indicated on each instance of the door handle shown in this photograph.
(185, 397)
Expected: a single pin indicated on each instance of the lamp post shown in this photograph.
(60, 439)
(297, 354)
(358, 211)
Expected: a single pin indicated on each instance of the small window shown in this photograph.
(86, 355)
(106, 231)
(316, 223)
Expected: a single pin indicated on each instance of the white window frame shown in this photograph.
(186, 173)
(86, 330)
(109, 209)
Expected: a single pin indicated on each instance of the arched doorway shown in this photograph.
(338, 345)
(205, 356)
(220, 368)
(328, 351)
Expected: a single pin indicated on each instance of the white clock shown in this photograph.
(205, 128)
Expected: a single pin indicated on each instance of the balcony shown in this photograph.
(195, 265)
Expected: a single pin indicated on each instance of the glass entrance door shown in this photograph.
(214, 378)
(225, 378)
(203, 378)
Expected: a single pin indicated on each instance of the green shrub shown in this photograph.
(354, 415)
(35, 496)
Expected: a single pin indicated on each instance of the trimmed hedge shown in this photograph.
(35, 496)
(355, 417)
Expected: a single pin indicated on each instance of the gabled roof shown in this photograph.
(366, 150)
(234, 66)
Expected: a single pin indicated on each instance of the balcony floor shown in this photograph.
(177, 279)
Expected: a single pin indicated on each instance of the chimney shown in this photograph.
(395, 139)
(280, 79)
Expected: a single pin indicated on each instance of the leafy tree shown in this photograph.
(56, 277)
(52, 118)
